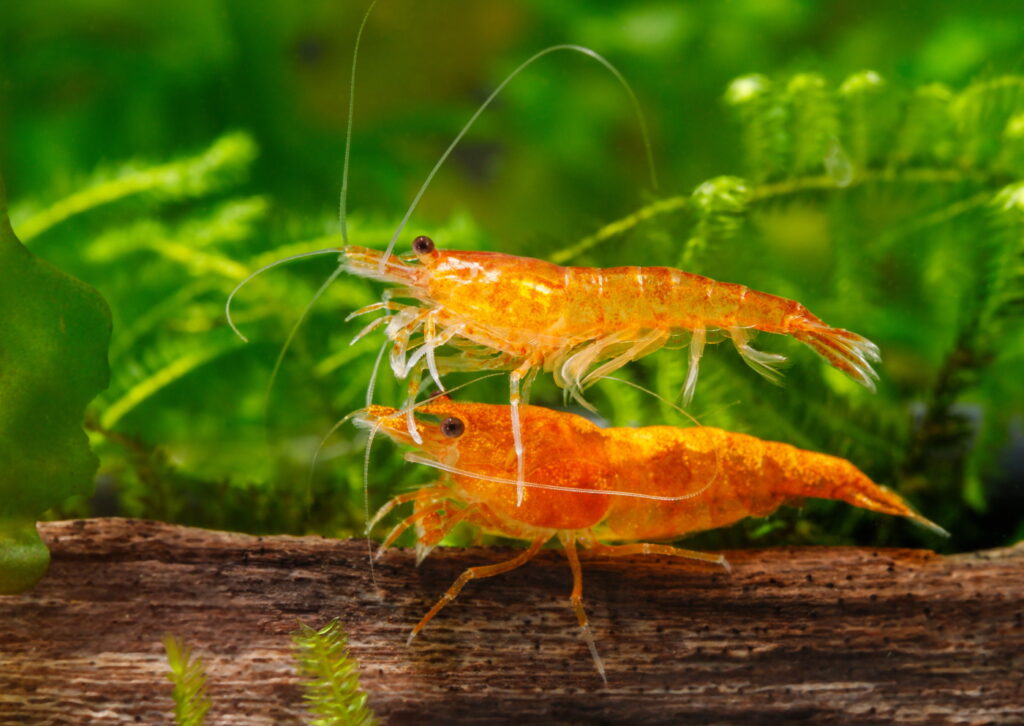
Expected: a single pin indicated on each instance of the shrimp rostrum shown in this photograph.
(601, 488)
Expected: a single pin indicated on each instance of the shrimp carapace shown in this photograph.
(594, 486)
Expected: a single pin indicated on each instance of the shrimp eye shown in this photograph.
(453, 427)
(423, 245)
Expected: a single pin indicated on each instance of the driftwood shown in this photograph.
(847, 635)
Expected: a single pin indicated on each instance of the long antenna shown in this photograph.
(494, 94)
(342, 216)
(342, 205)
(343, 201)
(433, 463)
(275, 263)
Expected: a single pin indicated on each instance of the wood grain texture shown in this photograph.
(846, 635)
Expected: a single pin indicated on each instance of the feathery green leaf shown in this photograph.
(331, 677)
(188, 675)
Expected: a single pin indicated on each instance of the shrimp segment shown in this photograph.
(600, 487)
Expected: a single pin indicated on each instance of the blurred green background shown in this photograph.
(118, 107)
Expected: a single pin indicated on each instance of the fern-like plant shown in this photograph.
(189, 678)
(331, 677)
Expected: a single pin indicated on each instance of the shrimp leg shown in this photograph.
(397, 530)
(400, 329)
(764, 363)
(646, 343)
(647, 548)
(428, 500)
(475, 573)
(448, 520)
(414, 366)
(432, 341)
(576, 598)
(697, 340)
(410, 402)
(440, 525)
(429, 490)
(524, 375)
(387, 305)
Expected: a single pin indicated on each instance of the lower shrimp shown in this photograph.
(600, 487)
(580, 324)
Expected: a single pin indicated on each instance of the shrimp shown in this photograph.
(603, 489)
(580, 324)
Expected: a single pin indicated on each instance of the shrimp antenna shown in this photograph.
(341, 422)
(343, 218)
(494, 94)
(342, 215)
(343, 199)
(366, 477)
(243, 283)
(449, 391)
(316, 454)
(418, 459)
(366, 500)
(366, 457)
(348, 417)
(293, 332)
(373, 376)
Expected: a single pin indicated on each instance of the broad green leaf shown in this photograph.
(54, 334)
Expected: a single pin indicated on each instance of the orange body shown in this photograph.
(687, 480)
(582, 322)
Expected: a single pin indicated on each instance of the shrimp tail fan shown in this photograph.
(851, 353)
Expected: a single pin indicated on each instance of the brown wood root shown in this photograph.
(848, 635)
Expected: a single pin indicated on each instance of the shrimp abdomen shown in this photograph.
(798, 473)
(663, 298)
(732, 476)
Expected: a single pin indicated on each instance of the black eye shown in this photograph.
(423, 245)
(452, 427)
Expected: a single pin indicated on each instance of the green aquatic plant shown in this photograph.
(330, 677)
(53, 361)
(188, 675)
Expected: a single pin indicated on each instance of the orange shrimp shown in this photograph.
(578, 323)
(593, 486)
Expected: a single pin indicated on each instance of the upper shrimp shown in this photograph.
(578, 323)
(534, 315)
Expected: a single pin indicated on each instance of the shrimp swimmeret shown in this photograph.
(592, 486)
(578, 323)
